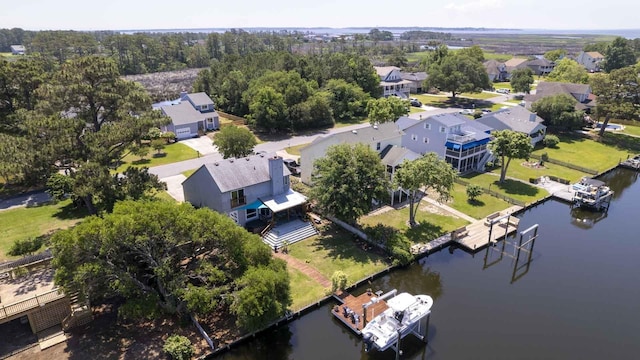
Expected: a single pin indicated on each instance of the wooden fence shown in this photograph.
(566, 164)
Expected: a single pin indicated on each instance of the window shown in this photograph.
(252, 213)
(414, 137)
(205, 107)
(442, 129)
(286, 181)
(238, 198)
(425, 140)
(378, 146)
(427, 126)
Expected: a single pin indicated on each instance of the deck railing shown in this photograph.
(24, 305)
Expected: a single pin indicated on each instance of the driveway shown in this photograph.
(203, 144)
(174, 186)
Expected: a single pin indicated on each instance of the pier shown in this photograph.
(483, 233)
(357, 318)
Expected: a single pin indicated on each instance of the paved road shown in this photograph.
(30, 199)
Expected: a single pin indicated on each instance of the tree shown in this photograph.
(178, 347)
(386, 109)
(417, 177)
(167, 253)
(158, 145)
(348, 101)
(521, 80)
(27, 246)
(551, 141)
(269, 110)
(554, 55)
(567, 70)
(398, 58)
(618, 95)
(140, 151)
(458, 73)
(507, 145)
(338, 281)
(559, 112)
(347, 180)
(619, 54)
(233, 141)
(473, 191)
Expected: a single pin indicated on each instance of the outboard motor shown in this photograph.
(367, 338)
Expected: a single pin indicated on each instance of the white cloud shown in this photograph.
(476, 5)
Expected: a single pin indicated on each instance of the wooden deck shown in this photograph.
(355, 303)
(480, 234)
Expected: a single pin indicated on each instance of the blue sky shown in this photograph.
(175, 14)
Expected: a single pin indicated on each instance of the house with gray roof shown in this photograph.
(392, 83)
(496, 70)
(591, 60)
(581, 92)
(541, 66)
(190, 115)
(516, 118)
(378, 137)
(416, 80)
(392, 158)
(458, 140)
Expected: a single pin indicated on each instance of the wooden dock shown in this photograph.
(483, 233)
(355, 304)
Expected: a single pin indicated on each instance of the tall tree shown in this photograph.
(421, 175)
(398, 58)
(233, 141)
(458, 73)
(348, 101)
(568, 70)
(521, 80)
(507, 145)
(618, 54)
(618, 95)
(554, 55)
(386, 109)
(269, 110)
(559, 112)
(347, 180)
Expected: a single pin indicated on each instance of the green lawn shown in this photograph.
(304, 290)
(413, 110)
(335, 250)
(512, 188)
(631, 129)
(188, 172)
(502, 85)
(518, 170)
(23, 223)
(479, 96)
(431, 225)
(484, 205)
(431, 100)
(587, 153)
(172, 153)
(340, 124)
(295, 150)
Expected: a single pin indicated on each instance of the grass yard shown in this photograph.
(484, 205)
(295, 150)
(518, 170)
(512, 188)
(171, 153)
(188, 172)
(586, 152)
(335, 250)
(502, 85)
(431, 225)
(430, 100)
(632, 130)
(340, 124)
(413, 110)
(304, 290)
(22, 223)
(479, 96)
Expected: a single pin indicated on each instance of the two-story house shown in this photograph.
(591, 60)
(458, 140)
(518, 119)
(190, 114)
(377, 136)
(541, 66)
(392, 83)
(496, 70)
(416, 80)
(580, 92)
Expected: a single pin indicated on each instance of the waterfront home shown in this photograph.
(190, 115)
(518, 119)
(581, 92)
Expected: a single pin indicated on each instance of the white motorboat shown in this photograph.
(401, 318)
(591, 193)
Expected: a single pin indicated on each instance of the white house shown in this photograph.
(392, 83)
(18, 50)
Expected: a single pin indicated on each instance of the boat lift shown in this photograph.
(525, 242)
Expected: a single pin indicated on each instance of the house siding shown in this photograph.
(418, 132)
(193, 127)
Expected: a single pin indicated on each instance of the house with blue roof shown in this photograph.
(458, 140)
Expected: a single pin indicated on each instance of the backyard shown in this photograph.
(514, 189)
(304, 290)
(171, 153)
(523, 170)
(483, 205)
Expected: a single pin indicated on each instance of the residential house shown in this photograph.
(591, 60)
(378, 137)
(515, 63)
(518, 119)
(417, 80)
(496, 70)
(392, 158)
(18, 50)
(541, 66)
(190, 114)
(392, 83)
(580, 92)
(458, 140)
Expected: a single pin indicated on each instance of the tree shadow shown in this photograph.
(71, 211)
(342, 245)
(140, 162)
(424, 232)
(475, 202)
(515, 187)
(159, 155)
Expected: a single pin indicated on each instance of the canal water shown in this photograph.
(577, 297)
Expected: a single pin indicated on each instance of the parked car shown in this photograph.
(415, 102)
(486, 111)
(503, 91)
(292, 165)
(467, 111)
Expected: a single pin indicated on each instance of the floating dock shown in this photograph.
(355, 305)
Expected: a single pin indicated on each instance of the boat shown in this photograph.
(403, 315)
(592, 193)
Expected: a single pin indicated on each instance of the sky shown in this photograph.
(192, 14)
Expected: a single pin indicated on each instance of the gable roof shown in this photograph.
(182, 113)
(540, 62)
(595, 54)
(383, 71)
(17, 48)
(514, 62)
(493, 67)
(550, 88)
(448, 119)
(515, 118)
(404, 122)
(367, 135)
(199, 99)
(414, 76)
(394, 155)
(233, 174)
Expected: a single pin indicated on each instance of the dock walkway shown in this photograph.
(354, 303)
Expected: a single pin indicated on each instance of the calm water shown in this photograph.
(578, 297)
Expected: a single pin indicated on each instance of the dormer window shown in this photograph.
(205, 107)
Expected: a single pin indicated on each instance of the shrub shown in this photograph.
(178, 347)
(473, 191)
(477, 114)
(26, 246)
(544, 157)
(551, 141)
(169, 136)
(338, 281)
